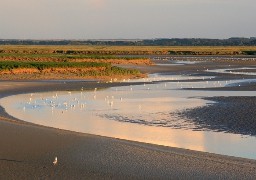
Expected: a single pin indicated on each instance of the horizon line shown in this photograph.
(116, 39)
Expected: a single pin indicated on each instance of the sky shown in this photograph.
(126, 19)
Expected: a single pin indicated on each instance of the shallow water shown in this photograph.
(235, 71)
(177, 62)
(141, 113)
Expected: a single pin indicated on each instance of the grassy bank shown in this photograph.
(10, 65)
(64, 56)
(63, 70)
(52, 62)
(53, 57)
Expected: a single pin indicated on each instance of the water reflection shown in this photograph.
(140, 113)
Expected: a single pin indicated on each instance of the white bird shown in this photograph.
(111, 103)
(55, 161)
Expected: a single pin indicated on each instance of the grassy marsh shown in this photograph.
(128, 50)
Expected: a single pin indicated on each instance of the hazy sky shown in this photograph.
(112, 19)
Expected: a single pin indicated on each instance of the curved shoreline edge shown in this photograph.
(28, 150)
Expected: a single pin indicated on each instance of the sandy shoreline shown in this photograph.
(27, 150)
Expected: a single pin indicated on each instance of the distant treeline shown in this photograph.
(150, 42)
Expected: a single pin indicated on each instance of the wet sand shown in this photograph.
(27, 150)
(227, 114)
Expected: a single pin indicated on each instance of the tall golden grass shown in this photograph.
(126, 50)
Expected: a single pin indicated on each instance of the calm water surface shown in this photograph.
(141, 113)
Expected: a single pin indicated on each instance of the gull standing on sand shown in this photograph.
(55, 161)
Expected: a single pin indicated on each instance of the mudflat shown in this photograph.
(28, 151)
